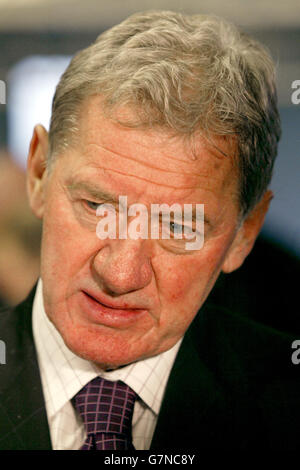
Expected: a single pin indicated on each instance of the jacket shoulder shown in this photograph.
(23, 420)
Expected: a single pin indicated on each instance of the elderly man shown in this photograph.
(118, 347)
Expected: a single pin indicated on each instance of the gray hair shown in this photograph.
(185, 73)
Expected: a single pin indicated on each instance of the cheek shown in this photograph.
(190, 280)
(178, 283)
(66, 245)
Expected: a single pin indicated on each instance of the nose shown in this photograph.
(122, 266)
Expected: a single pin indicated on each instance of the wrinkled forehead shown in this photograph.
(152, 156)
(93, 115)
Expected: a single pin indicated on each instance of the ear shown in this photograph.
(246, 235)
(36, 170)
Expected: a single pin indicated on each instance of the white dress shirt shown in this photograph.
(63, 374)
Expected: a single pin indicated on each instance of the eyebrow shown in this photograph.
(93, 191)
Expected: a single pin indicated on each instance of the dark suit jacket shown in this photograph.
(233, 386)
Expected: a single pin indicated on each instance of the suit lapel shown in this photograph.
(23, 420)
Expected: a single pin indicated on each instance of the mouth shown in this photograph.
(106, 313)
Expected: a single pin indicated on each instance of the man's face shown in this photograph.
(116, 301)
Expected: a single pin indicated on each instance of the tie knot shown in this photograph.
(106, 407)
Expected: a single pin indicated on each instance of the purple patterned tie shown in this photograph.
(106, 409)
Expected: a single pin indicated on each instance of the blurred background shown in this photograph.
(37, 39)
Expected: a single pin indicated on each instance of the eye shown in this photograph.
(176, 228)
(92, 205)
(179, 229)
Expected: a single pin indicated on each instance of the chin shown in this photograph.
(106, 351)
(104, 346)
